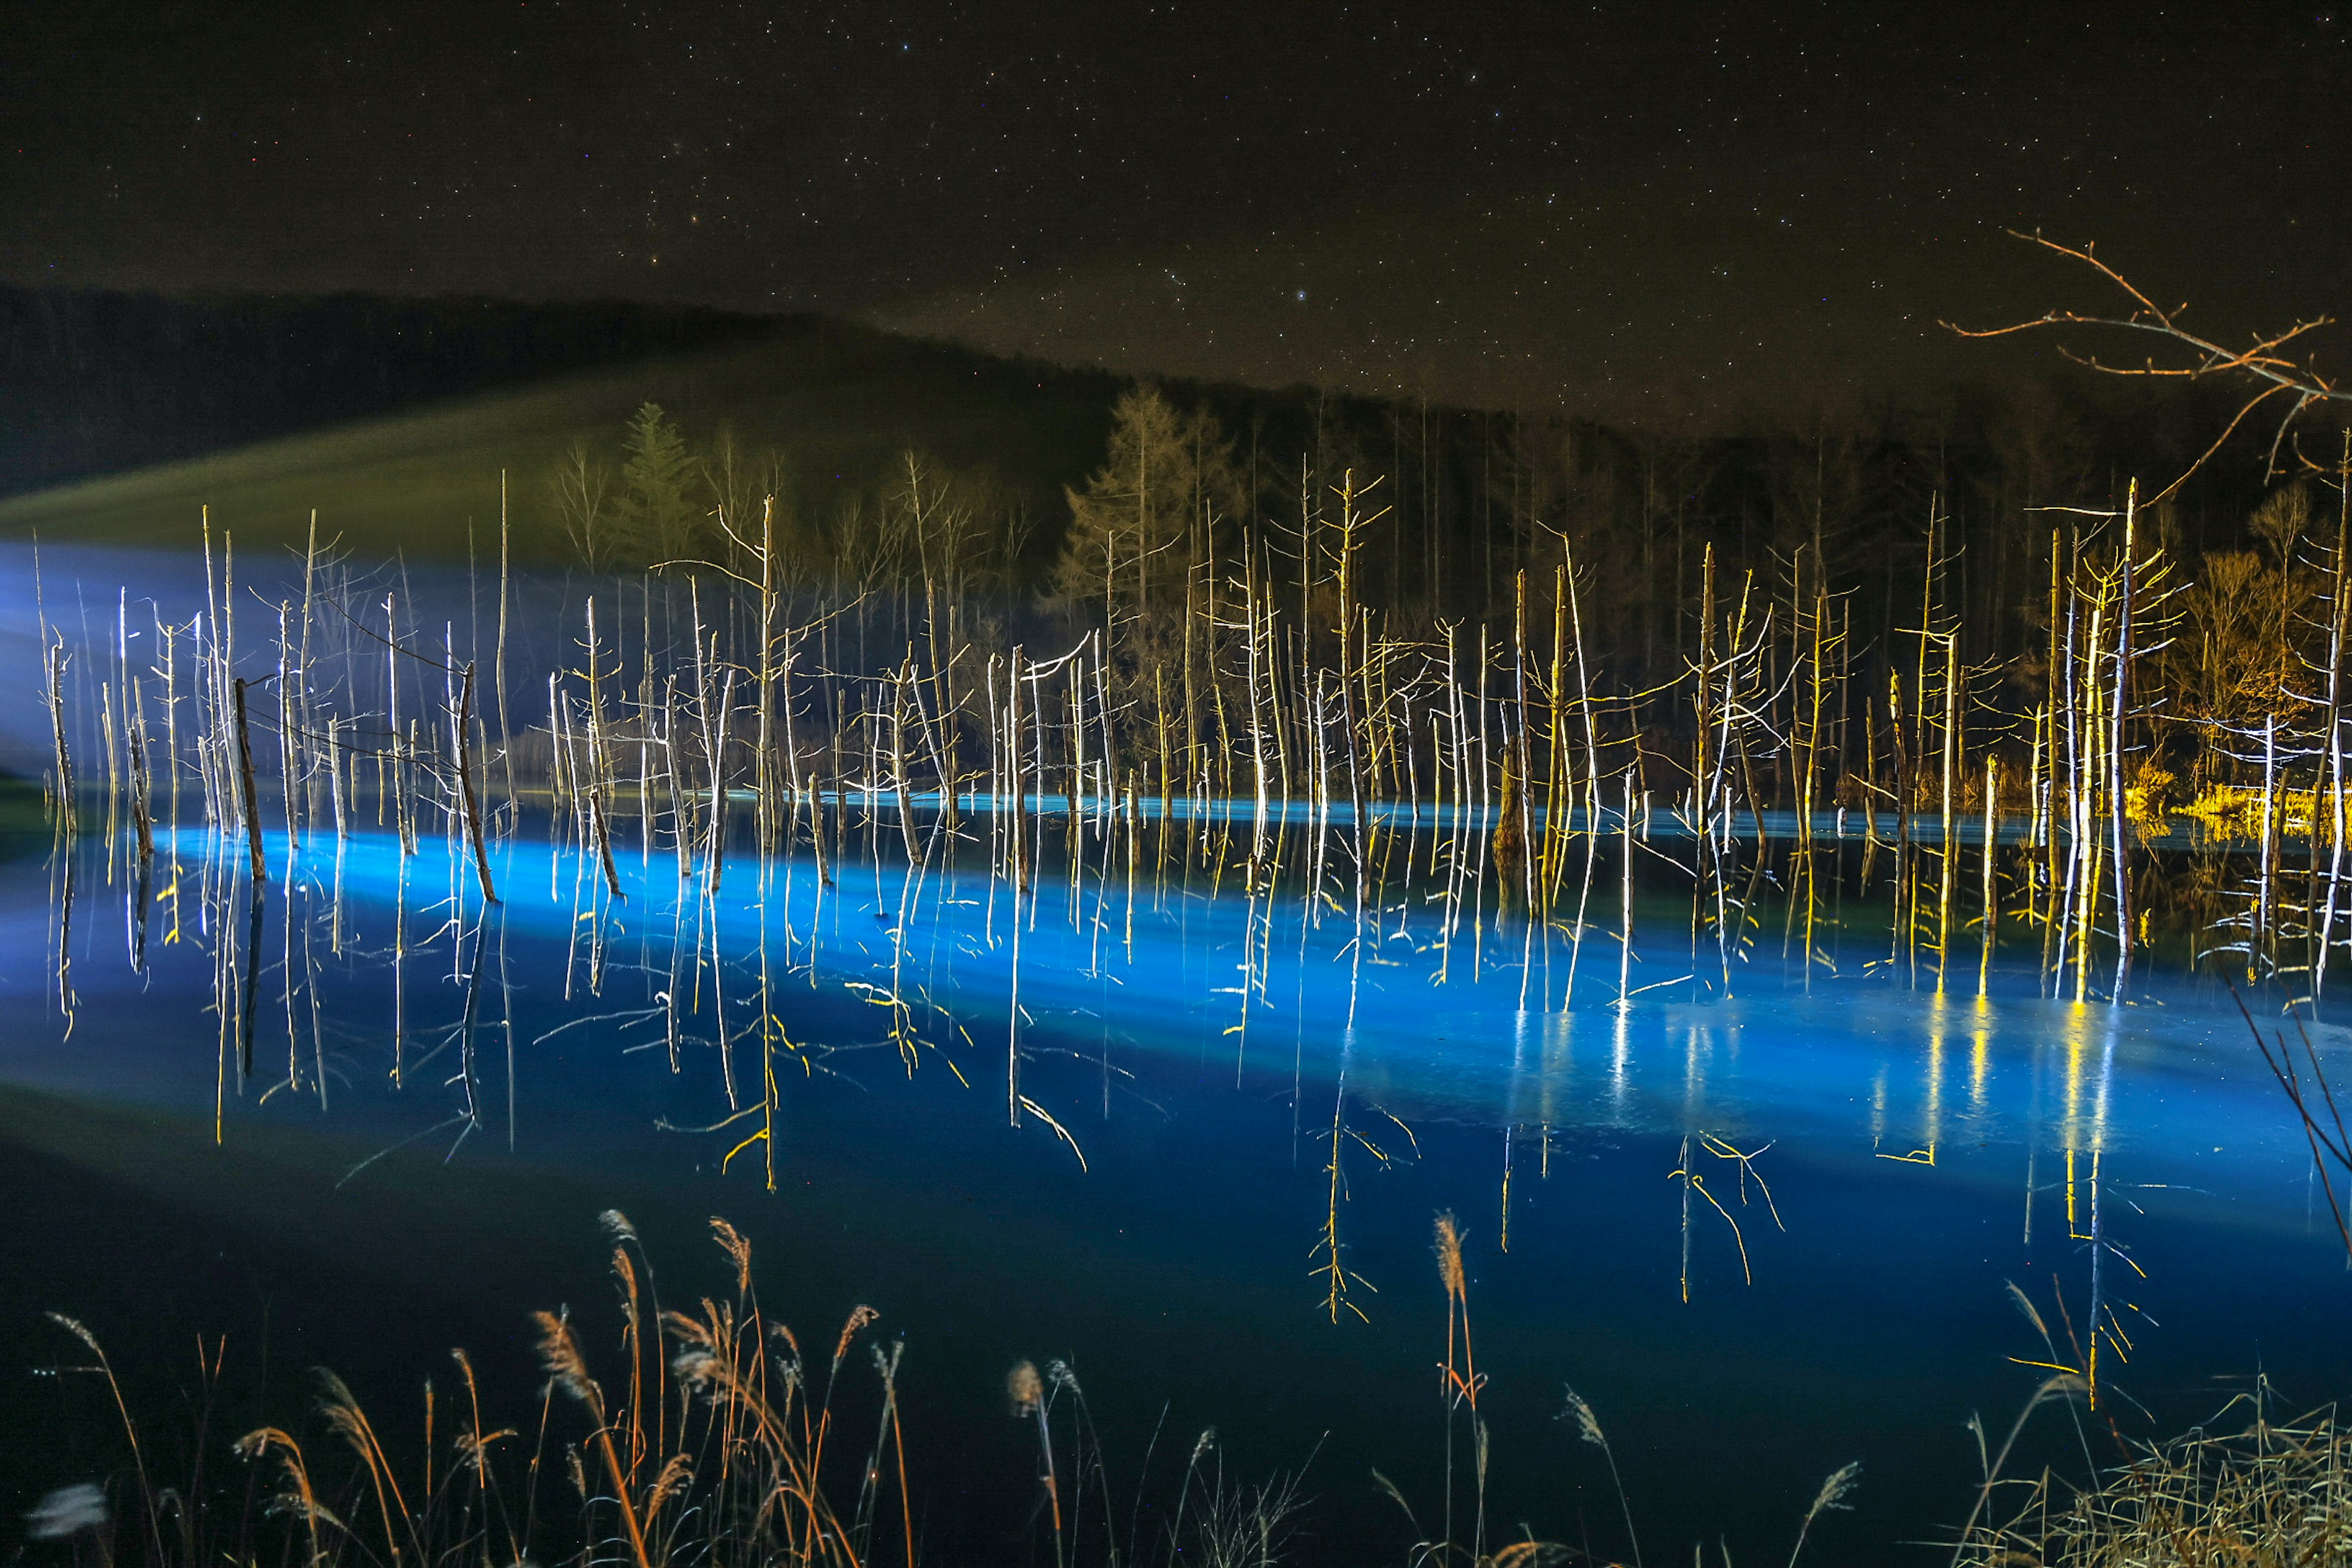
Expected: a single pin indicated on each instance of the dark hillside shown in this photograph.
(398, 421)
(94, 383)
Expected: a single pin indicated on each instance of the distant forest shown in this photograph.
(1201, 487)
(1196, 478)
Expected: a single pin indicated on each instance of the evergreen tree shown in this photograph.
(656, 523)
(1153, 510)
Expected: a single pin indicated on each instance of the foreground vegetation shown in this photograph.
(710, 1435)
(719, 1439)
(2269, 1494)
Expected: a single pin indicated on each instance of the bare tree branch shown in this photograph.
(2265, 361)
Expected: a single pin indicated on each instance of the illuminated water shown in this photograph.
(405, 1147)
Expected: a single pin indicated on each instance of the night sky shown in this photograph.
(1668, 209)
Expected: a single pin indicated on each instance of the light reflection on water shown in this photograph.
(1138, 1154)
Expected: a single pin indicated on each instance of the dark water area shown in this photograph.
(1765, 1225)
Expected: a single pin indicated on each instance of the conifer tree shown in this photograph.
(1147, 516)
(656, 520)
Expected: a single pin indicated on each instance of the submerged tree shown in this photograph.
(581, 490)
(930, 526)
(738, 480)
(2247, 612)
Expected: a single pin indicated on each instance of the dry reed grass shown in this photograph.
(714, 1455)
(2266, 1497)
(709, 1440)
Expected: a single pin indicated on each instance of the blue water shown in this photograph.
(447, 1094)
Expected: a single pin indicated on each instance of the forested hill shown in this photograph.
(122, 418)
(605, 430)
(94, 383)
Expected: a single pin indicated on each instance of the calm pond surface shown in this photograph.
(1765, 1228)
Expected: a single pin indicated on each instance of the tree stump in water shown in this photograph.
(1510, 841)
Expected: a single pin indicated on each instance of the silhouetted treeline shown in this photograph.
(1201, 486)
(94, 382)
(1474, 496)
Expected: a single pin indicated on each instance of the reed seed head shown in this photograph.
(849, 1330)
(1206, 1441)
(686, 1330)
(1025, 1389)
(1449, 1256)
(738, 1248)
(559, 1352)
(1836, 1489)
(73, 1326)
(1588, 1426)
(676, 1475)
(694, 1369)
(1531, 1554)
(67, 1511)
(476, 1451)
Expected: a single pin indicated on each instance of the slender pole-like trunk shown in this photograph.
(2119, 713)
(67, 817)
(1992, 894)
(2339, 624)
(465, 785)
(250, 795)
(763, 773)
(499, 666)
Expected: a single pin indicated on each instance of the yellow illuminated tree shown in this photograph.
(1153, 511)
